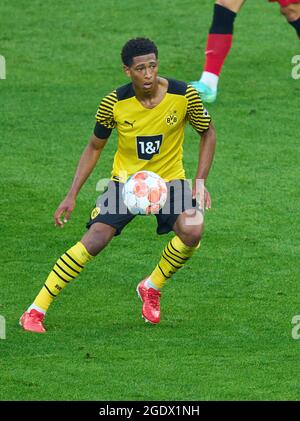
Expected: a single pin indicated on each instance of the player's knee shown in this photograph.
(224, 3)
(191, 235)
(194, 236)
(291, 12)
(233, 5)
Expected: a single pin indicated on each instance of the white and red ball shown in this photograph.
(144, 193)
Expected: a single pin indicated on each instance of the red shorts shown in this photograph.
(285, 3)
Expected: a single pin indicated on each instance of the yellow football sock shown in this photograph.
(174, 256)
(67, 268)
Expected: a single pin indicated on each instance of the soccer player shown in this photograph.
(220, 39)
(149, 114)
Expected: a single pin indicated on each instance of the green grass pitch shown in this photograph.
(226, 325)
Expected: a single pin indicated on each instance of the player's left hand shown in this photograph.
(207, 199)
(202, 197)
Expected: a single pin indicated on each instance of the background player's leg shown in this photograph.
(67, 268)
(233, 5)
(292, 14)
(218, 45)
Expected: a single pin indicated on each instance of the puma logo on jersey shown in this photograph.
(130, 124)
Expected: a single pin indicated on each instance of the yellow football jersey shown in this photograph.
(150, 139)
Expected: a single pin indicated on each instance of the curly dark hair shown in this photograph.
(137, 47)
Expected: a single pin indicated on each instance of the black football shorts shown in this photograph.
(111, 210)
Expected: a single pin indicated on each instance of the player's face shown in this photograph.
(143, 72)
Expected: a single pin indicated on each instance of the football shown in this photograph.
(144, 193)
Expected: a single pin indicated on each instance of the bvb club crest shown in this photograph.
(95, 212)
(172, 119)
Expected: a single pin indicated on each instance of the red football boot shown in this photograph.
(151, 302)
(33, 321)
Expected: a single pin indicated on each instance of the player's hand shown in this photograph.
(64, 211)
(207, 199)
(202, 197)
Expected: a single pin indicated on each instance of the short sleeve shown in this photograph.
(197, 115)
(105, 116)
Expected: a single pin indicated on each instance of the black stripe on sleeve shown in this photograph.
(101, 132)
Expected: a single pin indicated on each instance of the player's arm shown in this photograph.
(87, 162)
(200, 119)
(206, 154)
